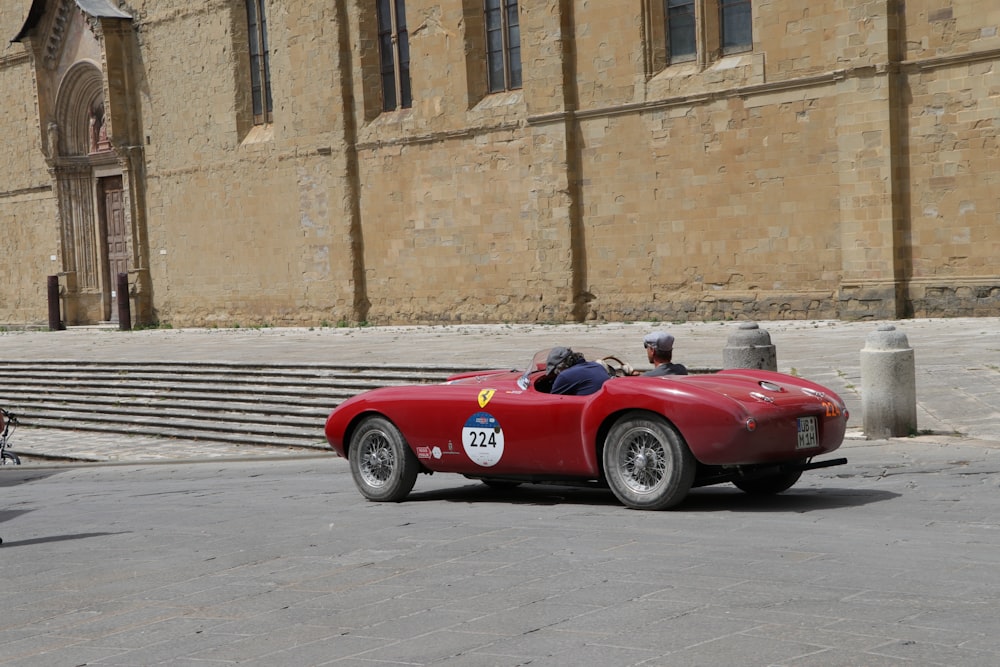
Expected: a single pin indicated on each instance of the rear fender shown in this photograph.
(705, 424)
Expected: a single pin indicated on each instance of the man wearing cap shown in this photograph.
(574, 375)
(660, 350)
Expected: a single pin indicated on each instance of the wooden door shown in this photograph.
(116, 236)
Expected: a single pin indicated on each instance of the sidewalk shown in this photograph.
(957, 365)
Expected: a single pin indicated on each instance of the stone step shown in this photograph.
(231, 436)
(386, 373)
(316, 403)
(208, 393)
(279, 404)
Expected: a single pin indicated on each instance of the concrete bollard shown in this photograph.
(888, 385)
(750, 347)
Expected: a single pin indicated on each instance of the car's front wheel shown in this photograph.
(647, 463)
(383, 465)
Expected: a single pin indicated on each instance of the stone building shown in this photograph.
(264, 162)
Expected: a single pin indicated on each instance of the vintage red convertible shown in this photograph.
(650, 439)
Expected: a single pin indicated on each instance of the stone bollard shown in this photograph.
(888, 385)
(750, 347)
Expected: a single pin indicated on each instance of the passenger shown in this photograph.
(660, 350)
(574, 375)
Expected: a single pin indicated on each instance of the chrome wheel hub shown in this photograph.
(377, 460)
(644, 461)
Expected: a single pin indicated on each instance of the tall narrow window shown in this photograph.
(735, 25)
(260, 63)
(394, 54)
(503, 45)
(681, 40)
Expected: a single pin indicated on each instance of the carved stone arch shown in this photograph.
(80, 92)
(86, 61)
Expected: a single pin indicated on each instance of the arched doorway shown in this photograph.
(91, 129)
(92, 198)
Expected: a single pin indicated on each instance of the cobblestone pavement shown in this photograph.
(890, 560)
(221, 555)
(957, 365)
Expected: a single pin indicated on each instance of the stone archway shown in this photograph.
(93, 218)
(91, 128)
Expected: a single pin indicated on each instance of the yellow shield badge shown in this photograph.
(485, 395)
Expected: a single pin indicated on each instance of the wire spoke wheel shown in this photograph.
(382, 464)
(644, 460)
(647, 463)
(377, 460)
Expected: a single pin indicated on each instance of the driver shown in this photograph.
(573, 374)
(660, 351)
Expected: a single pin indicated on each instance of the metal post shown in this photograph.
(55, 321)
(124, 304)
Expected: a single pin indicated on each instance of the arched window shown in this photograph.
(503, 45)
(735, 32)
(260, 64)
(696, 30)
(394, 53)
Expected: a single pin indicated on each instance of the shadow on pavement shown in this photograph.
(805, 500)
(706, 499)
(55, 538)
(526, 494)
(7, 515)
(14, 475)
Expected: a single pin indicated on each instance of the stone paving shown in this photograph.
(957, 365)
(261, 556)
(890, 560)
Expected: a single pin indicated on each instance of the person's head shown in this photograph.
(561, 358)
(659, 347)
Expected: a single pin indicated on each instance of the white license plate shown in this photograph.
(808, 433)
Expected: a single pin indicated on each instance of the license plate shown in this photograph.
(808, 434)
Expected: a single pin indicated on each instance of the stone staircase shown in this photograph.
(235, 403)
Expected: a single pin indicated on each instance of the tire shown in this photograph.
(382, 464)
(769, 485)
(647, 463)
(10, 458)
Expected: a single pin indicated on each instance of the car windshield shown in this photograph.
(539, 359)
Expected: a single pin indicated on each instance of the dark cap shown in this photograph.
(660, 341)
(557, 356)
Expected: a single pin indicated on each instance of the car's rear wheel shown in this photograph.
(769, 484)
(647, 463)
(383, 465)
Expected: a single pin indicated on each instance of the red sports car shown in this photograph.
(650, 439)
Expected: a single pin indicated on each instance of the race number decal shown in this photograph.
(482, 439)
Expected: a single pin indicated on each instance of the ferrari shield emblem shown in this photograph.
(485, 395)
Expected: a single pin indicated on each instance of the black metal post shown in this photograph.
(124, 304)
(55, 321)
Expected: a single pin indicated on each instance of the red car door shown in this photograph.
(503, 430)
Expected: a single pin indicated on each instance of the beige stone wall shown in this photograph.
(28, 221)
(811, 176)
(953, 83)
(247, 226)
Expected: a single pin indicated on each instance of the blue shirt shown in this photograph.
(581, 379)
